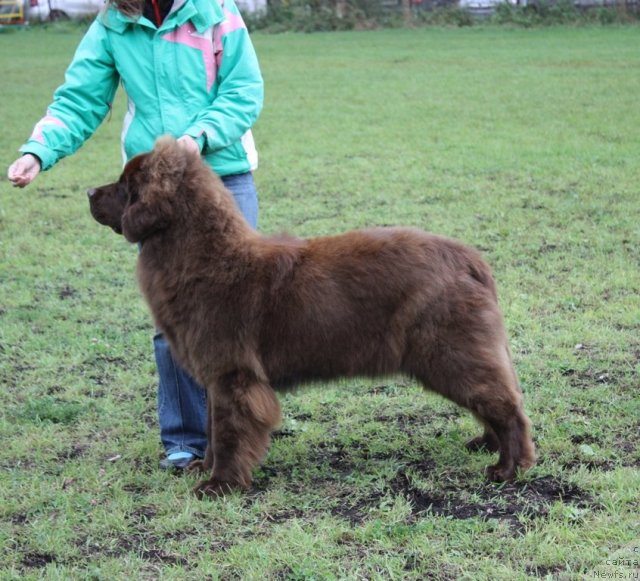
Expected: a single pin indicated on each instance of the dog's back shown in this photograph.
(347, 305)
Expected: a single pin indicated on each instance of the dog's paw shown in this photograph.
(214, 488)
(498, 473)
(482, 443)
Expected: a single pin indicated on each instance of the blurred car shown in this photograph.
(43, 10)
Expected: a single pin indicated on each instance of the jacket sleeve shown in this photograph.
(240, 93)
(80, 104)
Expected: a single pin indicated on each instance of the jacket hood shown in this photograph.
(203, 14)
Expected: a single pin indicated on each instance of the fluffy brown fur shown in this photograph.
(244, 312)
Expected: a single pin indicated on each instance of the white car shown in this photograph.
(42, 10)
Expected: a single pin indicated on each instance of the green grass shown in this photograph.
(524, 143)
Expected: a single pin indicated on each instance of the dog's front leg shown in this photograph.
(243, 410)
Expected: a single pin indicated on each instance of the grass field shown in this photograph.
(524, 143)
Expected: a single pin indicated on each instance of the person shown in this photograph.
(189, 69)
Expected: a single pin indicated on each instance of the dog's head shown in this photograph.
(141, 202)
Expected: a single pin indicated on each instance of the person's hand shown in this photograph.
(189, 144)
(24, 170)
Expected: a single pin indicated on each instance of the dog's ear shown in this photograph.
(140, 220)
(153, 182)
(164, 168)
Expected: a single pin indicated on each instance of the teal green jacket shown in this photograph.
(197, 74)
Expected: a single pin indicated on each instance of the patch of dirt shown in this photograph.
(67, 292)
(543, 571)
(113, 360)
(142, 544)
(590, 465)
(408, 422)
(624, 454)
(20, 518)
(590, 378)
(302, 417)
(159, 556)
(628, 450)
(381, 389)
(37, 560)
(136, 488)
(285, 515)
(506, 502)
(139, 541)
(145, 465)
(282, 433)
(335, 457)
(143, 514)
(76, 451)
(286, 574)
(585, 439)
(627, 447)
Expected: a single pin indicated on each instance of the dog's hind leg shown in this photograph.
(482, 379)
(244, 411)
(510, 427)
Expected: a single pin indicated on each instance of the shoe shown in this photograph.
(177, 461)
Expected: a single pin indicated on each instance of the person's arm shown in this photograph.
(240, 91)
(79, 106)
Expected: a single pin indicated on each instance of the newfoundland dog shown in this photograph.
(244, 312)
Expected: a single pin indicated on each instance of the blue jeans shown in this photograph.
(182, 403)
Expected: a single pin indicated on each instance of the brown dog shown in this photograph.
(243, 312)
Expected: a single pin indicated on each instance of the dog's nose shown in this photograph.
(90, 192)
